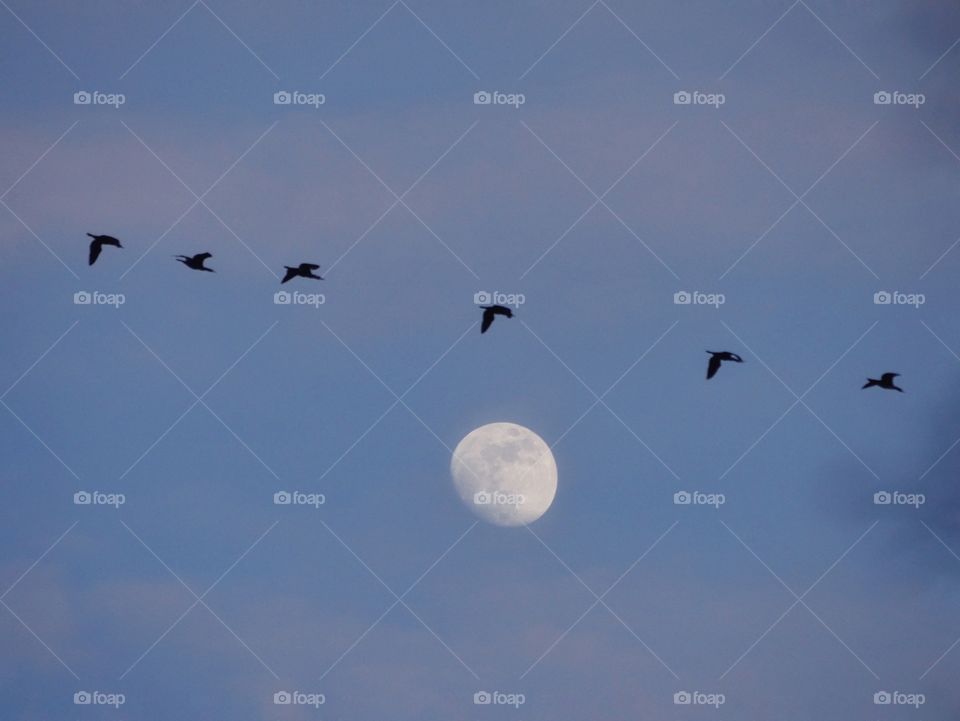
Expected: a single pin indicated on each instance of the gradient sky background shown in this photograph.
(707, 200)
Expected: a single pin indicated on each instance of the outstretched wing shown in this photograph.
(713, 366)
(291, 273)
(95, 248)
(310, 266)
(202, 256)
(487, 320)
(888, 377)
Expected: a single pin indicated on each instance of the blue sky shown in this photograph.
(599, 198)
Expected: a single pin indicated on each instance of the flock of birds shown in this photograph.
(490, 312)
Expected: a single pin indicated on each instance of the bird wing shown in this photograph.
(291, 273)
(888, 377)
(487, 320)
(310, 266)
(95, 248)
(202, 256)
(713, 366)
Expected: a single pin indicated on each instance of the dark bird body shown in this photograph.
(96, 245)
(304, 270)
(196, 261)
(886, 381)
(490, 311)
(716, 358)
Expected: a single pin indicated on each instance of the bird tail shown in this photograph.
(870, 382)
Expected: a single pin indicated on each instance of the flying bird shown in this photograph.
(304, 270)
(196, 261)
(716, 358)
(886, 381)
(489, 311)
(96, 245)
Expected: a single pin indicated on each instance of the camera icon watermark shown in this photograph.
(499, 698)
(899, 698)
(299, 698)
(98, 498)
(896, 97)
(298, 498)
(495, 97)
(886, 297)
(498, 498)
(696, 97)
(296, 297)
(95, 297)
(898, 498)
(95, 97)
(296, 97)
(698, 498)
(699, 698)
(684, 297)
(485, 297)
(99, 698)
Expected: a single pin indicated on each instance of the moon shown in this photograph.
(505, 474)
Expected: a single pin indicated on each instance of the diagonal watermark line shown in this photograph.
(599, 399)
(400, 199)
(598, 600)
(39, 358)
(799, 399)
(198, 600)
(396, 401)
(954, 644)
(40, 40)
(239, 39)
(439, 39)
(357, 41)
(38, 560)
(599, 199)
(557, 41)
(157, 41)
(942, 56)
(398, 600)
(799, 599)
(39, 439)
(952, 445)
(799, 199)
(198, 400)
(757, 41)
(639, 39)
(39, 239)
(199, 199)
(36, 162)
(39, 640)
(839, 39)
(942, 256)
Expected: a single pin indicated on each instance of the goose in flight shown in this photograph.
(304, 270)
(96, 245)
(886, 381)
(490, 311)
(196, 261)
(716, 358)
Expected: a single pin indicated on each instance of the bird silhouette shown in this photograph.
(304, 270)
(716, 358)
(196, 261)
(886, 381)
(489, 311)
(96, 245)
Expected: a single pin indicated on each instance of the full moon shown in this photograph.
(505, 474)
